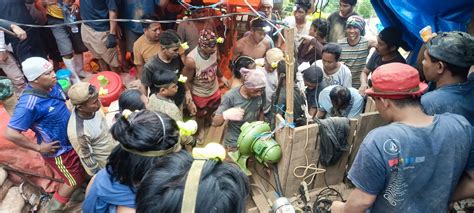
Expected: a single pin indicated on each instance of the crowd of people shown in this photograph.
(139, 161)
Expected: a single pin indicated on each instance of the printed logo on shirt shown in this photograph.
(391, 147)
(405, 162)
(50, 109)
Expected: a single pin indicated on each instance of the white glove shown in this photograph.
(233, 114)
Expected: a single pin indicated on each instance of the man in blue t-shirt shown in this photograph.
(42, 109)
(339, 101)
(448, 57)
(412, 164)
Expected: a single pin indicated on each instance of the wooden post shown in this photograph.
(289, 57)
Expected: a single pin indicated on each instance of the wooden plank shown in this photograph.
(214, 134)
(290, 81)
(370, 105)
(366, 123)
(302, 154)
(284, 137)
(335, 174)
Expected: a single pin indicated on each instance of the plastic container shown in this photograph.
(111, 89)
(64, 78)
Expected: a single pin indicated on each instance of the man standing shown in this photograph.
(100, 37)
(189, 31)
(201, 70)
(412, 164)
(337, 20)
(87, 128)
(168, 58)
(254, 45)
(448, 57)
(241, 104)
(355, 47)
(386, 51)
(42, 108)
(335, 72)
(147, 46)
(299, 22)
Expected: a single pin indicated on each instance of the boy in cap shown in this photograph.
(241, 104)
(386, 51)
(312, 77)
(355, 47)
(448, 57)
(42, 108)
(412, 164)
(272, 57)
(87, 128)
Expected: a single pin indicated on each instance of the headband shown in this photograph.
(154, 153)
(173, 45)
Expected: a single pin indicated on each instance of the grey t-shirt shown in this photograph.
(413, 169)
(252, 108)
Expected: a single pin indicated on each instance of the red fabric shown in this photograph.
(24, 159)
(68, 163)
(60, 198)
(204, 103)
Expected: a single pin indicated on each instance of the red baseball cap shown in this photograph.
(396, 81)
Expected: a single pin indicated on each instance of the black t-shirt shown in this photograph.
(176, 65)
(376, 61)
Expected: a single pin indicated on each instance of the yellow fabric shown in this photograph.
(55, 11)
(192, 186)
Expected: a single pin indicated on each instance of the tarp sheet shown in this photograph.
(411, 16)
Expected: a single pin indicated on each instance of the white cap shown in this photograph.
(267, 2)
(35, 66)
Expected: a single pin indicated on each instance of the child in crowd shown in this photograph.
(163, 90)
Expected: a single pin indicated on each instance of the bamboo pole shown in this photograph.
(289, 57)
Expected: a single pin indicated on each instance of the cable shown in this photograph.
(308, 166)
(276, 176)
(263, 178)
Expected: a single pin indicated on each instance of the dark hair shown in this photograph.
(241, 62)
(141, 131)
(222, 187)
(340, 95)
(392, 36)
(407, 102)
(313, 74)
(334, 49)
(169, 37)
(152, 17)
(351, 2)
(258, 24)
(303, 4)
(322, 26)
(160, 76)
(131, 99)
(281, 68)
(454, 69)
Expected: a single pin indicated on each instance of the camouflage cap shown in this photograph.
(6, 88)
(454, 47)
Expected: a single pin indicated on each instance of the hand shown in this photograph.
(188, 98)
(111, 41)
(337, 206)
(3, 57)
(362, 89)
(192, 108)
(118, 32)
(48, 148)
(74, 8)
(20, 33)
(225, 81)
(233, 114)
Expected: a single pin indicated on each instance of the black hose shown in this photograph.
(276, 176)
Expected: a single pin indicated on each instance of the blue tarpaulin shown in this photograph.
(412, 15)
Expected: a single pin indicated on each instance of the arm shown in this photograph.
(372, 43)
(217, 120)
(114, 29)
(85, 154)
(189, 70)
(320, 114)
(237, 51)
(19, 139)
(20, 33)
(364, 75)
(465, 188)
(358, 201)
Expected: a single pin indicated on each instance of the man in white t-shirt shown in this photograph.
(298, 21)
(334, 72)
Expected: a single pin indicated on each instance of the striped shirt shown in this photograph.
(355, 57)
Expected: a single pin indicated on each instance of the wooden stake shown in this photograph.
(289, 57)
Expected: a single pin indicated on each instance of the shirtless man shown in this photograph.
(253, 45)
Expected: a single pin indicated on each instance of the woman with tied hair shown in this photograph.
(144, 138)
(222, 187)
